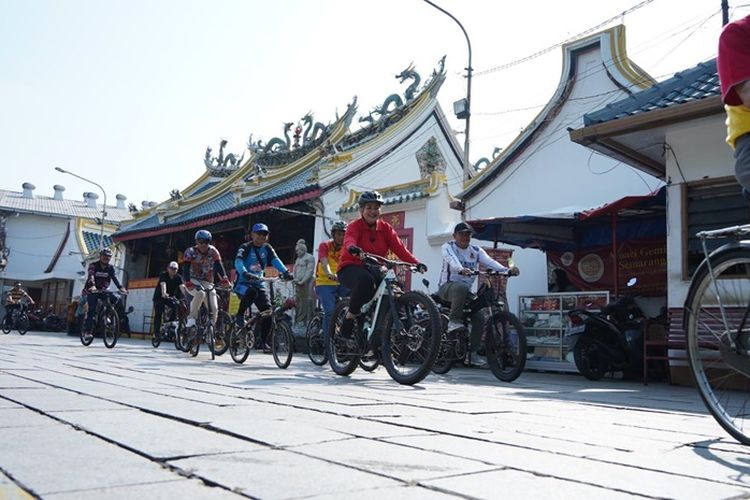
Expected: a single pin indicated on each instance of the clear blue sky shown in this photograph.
(130, 93)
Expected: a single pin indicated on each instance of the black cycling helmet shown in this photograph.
(105, 252)
(203, 235)
(370, 197)
(339, 225)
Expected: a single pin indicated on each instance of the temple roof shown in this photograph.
(280, 175)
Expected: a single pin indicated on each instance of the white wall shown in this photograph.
(554, 174)
(702, 153)
(33, 241)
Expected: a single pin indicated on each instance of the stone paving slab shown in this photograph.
(166, 490)
(155, 436)
(279, 474)
(513, 484)
(52, 399)
(636, 480)
(175, 426)
(408, 464)
(9, 490)
(22, 417)
(55, 458)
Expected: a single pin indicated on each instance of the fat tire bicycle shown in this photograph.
(504, 338)
(402, 327)
(717, 324)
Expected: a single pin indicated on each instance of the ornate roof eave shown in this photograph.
(427, 94)
(425, 100)
(627, 75)
(400, 193)
(171, 208)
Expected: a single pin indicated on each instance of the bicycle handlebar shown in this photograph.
(378, 260)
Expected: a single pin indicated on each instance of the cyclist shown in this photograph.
(14, 300)
(100, 274)
(169, 285)
(460, 260)
(327, 284)
(203, 261)
(252, 259)
(733, 64)
(373, 235)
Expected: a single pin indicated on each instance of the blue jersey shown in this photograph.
(250, 269)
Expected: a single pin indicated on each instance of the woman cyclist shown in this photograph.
(373, 235)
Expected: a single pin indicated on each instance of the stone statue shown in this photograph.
(304, 267)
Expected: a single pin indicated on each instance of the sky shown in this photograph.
(130, 93)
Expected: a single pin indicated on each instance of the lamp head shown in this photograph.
(61, 170)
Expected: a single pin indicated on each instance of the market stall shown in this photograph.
(598, 250)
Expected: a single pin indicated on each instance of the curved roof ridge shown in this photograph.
(624, 73)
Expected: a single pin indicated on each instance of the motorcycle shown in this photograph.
(36, 319)
(608, 341)
(51, 322)
(123, 315)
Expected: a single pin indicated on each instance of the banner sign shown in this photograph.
(593, 269)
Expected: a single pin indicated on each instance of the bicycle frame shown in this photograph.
(737, 232)
(385, 289)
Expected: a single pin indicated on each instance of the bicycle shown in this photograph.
(18, 318)
(204, 330)
(106, 320)
(409, 319)
(171, 329)
(504, 338)
(717, 310)
(242, 340)
(316, 347)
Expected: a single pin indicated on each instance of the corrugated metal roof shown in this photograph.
(692, 84)
(14, 200)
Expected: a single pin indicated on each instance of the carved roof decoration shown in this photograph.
(285, 170)
(400, 193)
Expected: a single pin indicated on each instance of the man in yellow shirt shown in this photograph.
(327, 284)
(733, 64)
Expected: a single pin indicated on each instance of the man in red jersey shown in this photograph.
(373, 235)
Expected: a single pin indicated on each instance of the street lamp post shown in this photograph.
(462, 110)
(104, 206)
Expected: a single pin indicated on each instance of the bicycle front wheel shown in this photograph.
(716, 313)
(506, 346)
(239, 345)
(22, 323)
(410, 348)
(316, 347)
(343, 353)
(224, 327)
(210, 333)
(7, 323)
(110, 327)
(282, 344)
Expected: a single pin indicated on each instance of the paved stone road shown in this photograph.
(134, 422)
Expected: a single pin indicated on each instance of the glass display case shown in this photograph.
(545, 320)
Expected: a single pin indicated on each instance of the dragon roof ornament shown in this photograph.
(222, 166)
